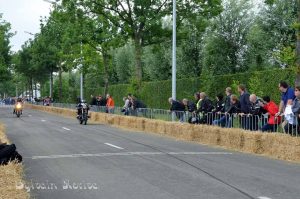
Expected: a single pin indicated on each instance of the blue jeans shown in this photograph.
(224, 121)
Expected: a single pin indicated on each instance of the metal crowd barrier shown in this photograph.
(247, 122)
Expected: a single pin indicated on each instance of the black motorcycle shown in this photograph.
(83, 116)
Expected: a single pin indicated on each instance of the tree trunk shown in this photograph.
(31, 88)
(138, 60)
(51, 84)
(70, 87)
(106, 75)
(35, 89)
(297, 81)
(60, 85)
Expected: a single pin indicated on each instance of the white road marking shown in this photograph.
(108, 144)
(43, 120)
(29, 115)
(66, 129)
(127, 154)
(263, 197)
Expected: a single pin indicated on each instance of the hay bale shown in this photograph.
(232, 138)
(161, 127)
(151, 125)
(131, 122)
(213, 135)
(179, 130)
(140, 124)
(253, 142)
(10, 175)
(110, 119)
(123, 121)
(285, 147)
(117, 119)
(199, 133)
(93, 116)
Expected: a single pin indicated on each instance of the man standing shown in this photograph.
(287, 96)
(245, 106)
(205, 107)
(110, 104)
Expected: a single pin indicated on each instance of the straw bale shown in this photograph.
(140, 124)
(10, 175)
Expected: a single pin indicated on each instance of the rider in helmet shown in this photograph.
(82, 103)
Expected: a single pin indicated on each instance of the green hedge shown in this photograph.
(156, 94)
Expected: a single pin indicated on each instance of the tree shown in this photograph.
(225, 45)
(141, 20)
(5, 55)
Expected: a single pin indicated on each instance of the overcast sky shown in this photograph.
(23, 15)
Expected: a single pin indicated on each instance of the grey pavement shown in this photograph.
(64, 159)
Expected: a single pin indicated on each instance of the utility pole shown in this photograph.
(174, 57)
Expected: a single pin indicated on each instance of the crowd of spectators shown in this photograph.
(244, 110)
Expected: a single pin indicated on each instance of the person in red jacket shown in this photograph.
(272, 109)
(110, 104)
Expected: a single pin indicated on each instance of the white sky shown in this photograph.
(23, 15)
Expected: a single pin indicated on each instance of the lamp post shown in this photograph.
(174, 57)
(81, 73)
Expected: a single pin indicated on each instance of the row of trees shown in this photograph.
(129, 41)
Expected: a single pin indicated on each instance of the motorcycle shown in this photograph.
(18, 109)
(83, 116)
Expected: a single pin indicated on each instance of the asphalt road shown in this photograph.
(66, 160)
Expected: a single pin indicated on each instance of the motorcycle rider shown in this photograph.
(80, 105)
(19, 101)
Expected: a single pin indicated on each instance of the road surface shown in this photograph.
(66, 160)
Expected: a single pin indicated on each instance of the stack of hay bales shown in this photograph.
(11, 175)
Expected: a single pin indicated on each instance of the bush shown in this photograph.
(156, 94)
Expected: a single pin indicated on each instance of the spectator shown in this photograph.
(219, 103)
(191, 108)
(101, 101)
(93, 100)
(255, 112)
(178, 108)
(219, 106)
(227, 102)
(138, 106)
(271, 109)
(287, 96)
(126, 106)
(110, 104)
(197, 100)
(245, 106)
(292, 114)
(235, 108)
(205, 107)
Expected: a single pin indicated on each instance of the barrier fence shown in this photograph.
(248, 122)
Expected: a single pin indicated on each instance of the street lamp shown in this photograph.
(174, 56)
